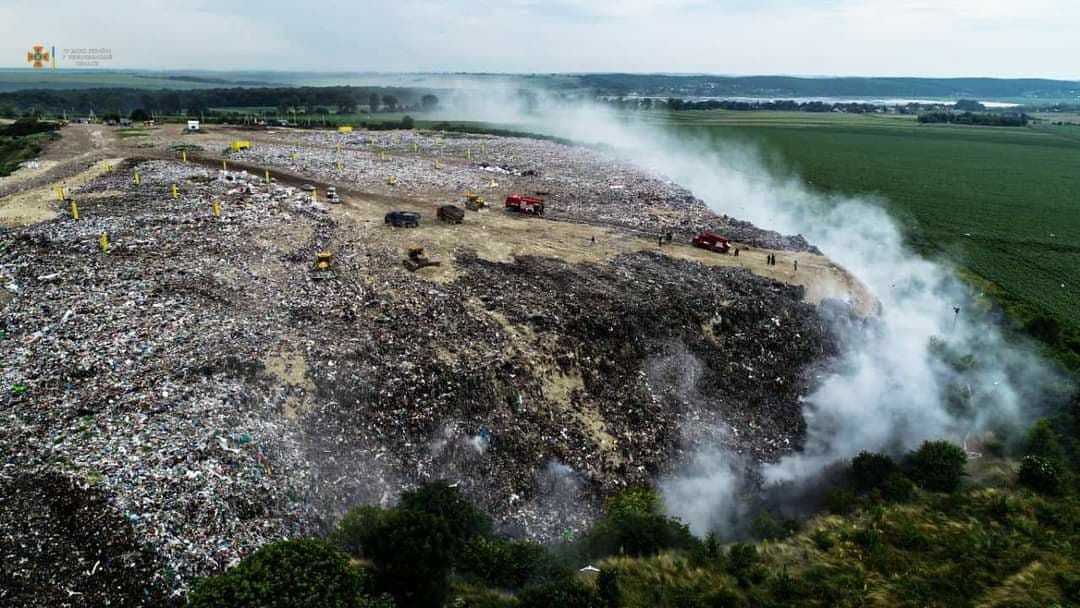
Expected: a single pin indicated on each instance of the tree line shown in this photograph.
(343, 100)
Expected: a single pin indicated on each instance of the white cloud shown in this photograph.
(866, 37)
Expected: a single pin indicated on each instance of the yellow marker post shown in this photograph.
(137, 179)
(108, 167)
(103, 242)
(382, 155)
(340, 166)
(183, 155)
(314, 196)
(217, 209)
(74, 211)
(224, 167)
(175, 192)
(468, 153)
(483, 148)
(438, 164)
(415, 147)
(267, 176)
(339, 148)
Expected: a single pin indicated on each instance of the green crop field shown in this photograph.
(1002, 204)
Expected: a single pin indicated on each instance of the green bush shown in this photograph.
(638, 534)
(823, 539)
(897, 488)
(741, 560)
(355, 526)
(287, 574)
(607, 588)
(502, 563)
(1041, 475)
(938, 466)
(463, 520)
(412, 553)
(869, 470)
(840, 502)
(636, 526)
(566, 592)
(766, 526)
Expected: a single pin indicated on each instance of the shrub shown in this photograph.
(742, 557)
(463, 520)
(766, 526)
(412, 553)
(823, 539)
(607, 588)
(638, 534)
(938, 465)
(840, 502)
(897, 488)
(566, 592)
(287, 574)
(354, 527)
(1041, 475)
(636, 526)
(502, 563)
(869, 470)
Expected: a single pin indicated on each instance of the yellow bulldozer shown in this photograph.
(475, 202)
(324, 266)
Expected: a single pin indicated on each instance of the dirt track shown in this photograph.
(494, 235)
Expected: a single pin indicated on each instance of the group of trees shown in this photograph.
(987, 119)
(343, 99)
(435, 540)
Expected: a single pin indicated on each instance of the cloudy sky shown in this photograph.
(802, 37)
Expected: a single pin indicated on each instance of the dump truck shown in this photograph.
(525, 204)
(475, 202)
(406, 219)
(712, 242)
(451, 214)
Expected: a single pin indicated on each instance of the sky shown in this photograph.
(1000, 38)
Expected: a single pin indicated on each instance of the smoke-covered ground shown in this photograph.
(925, 367)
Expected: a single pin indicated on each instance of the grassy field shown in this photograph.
(1002, 204)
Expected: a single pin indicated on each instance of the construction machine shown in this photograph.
(418, 260)
(475, 202)
(324, 266)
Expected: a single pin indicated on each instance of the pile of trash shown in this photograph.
(578, 183)
(185, 366)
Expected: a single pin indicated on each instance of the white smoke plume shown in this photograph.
(891, 388)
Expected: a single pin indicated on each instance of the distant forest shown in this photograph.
(345, 100)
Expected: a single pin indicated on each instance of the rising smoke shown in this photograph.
(909, 377)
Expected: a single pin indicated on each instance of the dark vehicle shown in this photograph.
(450, 213)
(406, 219)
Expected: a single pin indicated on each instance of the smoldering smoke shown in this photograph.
(893, 386)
